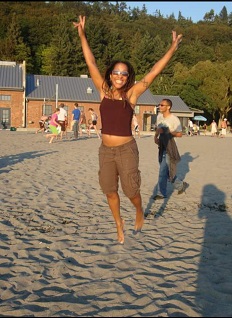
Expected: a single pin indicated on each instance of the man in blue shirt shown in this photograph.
(76, 113)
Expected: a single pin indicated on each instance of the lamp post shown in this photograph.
(56, 95)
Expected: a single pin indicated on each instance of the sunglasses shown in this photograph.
(123, 73)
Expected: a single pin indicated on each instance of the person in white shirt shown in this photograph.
(224, 128)
(190, 127)
(168, 128)
(62, 120)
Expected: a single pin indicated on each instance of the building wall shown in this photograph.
(35, 111)
(16, 105)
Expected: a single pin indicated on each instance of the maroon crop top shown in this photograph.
(116, 117)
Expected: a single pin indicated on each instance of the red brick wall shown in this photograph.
(34, 110)
(16, 105)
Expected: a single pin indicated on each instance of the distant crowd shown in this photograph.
(193, 129)
(57, 126)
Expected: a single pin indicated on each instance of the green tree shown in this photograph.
(57, 57)
(192, 94)
(216, 84)
(195, 51)
(145, 52)
(48, 62)
(97, 33)
(14, 49)
(62, 44)
(209, 16)
(115, 47)
(223, 15)
(78, 62)
(230, 19)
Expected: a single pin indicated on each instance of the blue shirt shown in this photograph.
(77, 113)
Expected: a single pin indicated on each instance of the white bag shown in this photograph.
(58, 129)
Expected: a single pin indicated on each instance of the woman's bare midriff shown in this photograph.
(114, 141)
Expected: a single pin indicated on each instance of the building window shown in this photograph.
(136, 109)
(5, 97)
(47, 110)
(5, 116)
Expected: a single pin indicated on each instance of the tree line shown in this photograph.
(42, 34)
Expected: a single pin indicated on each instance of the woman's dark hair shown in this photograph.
(106, 85)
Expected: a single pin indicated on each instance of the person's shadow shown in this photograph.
(8, 161)
(182, 170)
(214, 282)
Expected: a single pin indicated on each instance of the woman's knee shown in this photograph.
(112, 195)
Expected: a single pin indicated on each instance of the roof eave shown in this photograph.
(20, 89)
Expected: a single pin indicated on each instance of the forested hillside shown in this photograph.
(42, 34)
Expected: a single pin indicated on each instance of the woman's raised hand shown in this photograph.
(176, 39)
(80, 25)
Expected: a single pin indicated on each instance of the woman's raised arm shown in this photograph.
(88, 55)
(141, 86)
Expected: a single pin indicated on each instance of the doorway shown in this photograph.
(5, 122)
(149, 120)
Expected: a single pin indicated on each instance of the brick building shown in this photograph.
(25, 97)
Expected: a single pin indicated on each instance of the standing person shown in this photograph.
(136, 126)
(196, 129)
(82, 123)
(213, 128)
(62, 119)
(118, 152)
(93, 122)
(42, 124)
(205, 128)
(224, 128)
(168, 127)
(228, 126)
(76, 113)
(190, 127)
(53, 124)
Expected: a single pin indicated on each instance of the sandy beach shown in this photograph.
(59, 251)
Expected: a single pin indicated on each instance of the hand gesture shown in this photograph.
(156, 140)
(176, 39)
(80, 25)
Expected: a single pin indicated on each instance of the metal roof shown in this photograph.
(178, 105)
(82, 89)
(11, 76)
(195, 110)
(70, 89)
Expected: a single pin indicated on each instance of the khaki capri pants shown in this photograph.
(120, 162)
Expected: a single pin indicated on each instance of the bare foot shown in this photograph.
(120, 231)
(139, 221)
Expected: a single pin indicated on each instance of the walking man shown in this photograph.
(168, 127)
